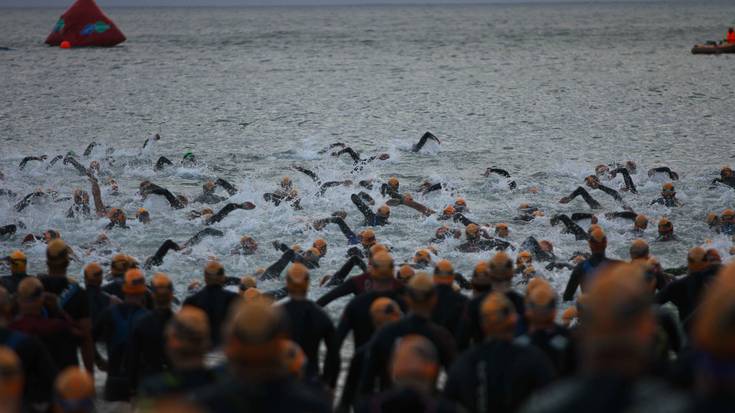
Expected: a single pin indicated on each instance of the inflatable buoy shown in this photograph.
(65, 44)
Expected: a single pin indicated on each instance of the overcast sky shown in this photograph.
(183, 3)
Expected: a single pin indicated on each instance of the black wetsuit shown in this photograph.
(666, 170)
(30, 158)
(629, 185)
(570, 227)
(282, 395)
(154, 189)
(115, 286)
(583, 273)
(669, 202)
(376, 370)
(209, 198)
(352, 381)
(686, 293)
(74, 301)
(470, 331)
(580, 191)
(339, 277)
(39, 369)
(175, 383)
(356, 317)
(162, 162)
(558, 345)
(497, 376)
(483, 245)
(99, 301)
(222, 213)
(147, 346)
(599, 393)
(114, 327)
(404, 400)
(532, 245)
(79, 167)
(371, 218)
(449, 307)
(422, 141)
(309, 326)
(157, 258)
(728, 180)
(346, 230)
(216, 302)
(11, 282)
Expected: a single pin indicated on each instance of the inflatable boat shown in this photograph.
(713, 48)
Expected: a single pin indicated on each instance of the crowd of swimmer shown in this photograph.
(638, 338)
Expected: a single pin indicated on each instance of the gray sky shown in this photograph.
(183, 3)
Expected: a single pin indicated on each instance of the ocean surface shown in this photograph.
(544, 91)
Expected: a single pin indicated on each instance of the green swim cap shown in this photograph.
(188, 155)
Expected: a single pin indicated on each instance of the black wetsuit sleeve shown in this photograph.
(462, 281)
(348, 233)
(422, 141)
(274, 270)
(8, 229)
(501, 172)
(664, 169)
(20, 206)
(571, 227)
(432, 188)
(69, 160)
(231, 190)
(162, 161)
(629, 185)
(330, 372)
(89, 149)
(171, 198)
(26, 159)
(344, 271)
(459, 217)
(331, 184)
(586, 196)
(199, 236)
(613, 193)
(157, 258)
(578, 216)
(364, 209)
(222, 213)
(57, 158)
(308, 173)
(346, 288)
(354, 155)
(622, 214)
(574, 280)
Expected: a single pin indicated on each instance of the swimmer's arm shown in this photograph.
(622, 214)
(459, 217)
(199, 236)
(29, 158)
(432, 188)
(664, 169)
(335, 293)
(90, 147)
(227, 186)
(99, 206)
(613, 193)
(585, 195)
(274, 270)
(162, 161)
(8, 229)
(344, 271)
(422, 141)
(501, 172)
(332, 184)
(578, 216)
(369, 215)
(56, 159)
(426, 211)
(348, 233)
(69, 160)
(157, 258)
(308, 173)
(354, 155)
(573, 283)
(629, 185)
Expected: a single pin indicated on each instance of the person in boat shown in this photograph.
(730, 36)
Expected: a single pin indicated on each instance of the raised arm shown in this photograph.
(585, 195)
(69, 160)
(664, 169)
(89, 149)
(99, 206)
(354, 155)
(314, 177)
(227, 186)
(364, 209)
(222, 213)
(161, 162)
(422, 141)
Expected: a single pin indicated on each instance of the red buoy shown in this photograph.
(65, 44)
